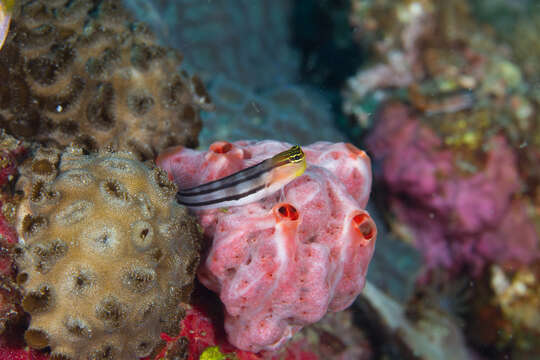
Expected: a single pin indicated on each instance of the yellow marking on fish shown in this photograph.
(248, 185)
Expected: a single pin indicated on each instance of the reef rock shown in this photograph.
(81, 72)
(283, 262)
(106, 256)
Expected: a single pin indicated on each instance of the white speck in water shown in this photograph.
(59, 108)
(523, 144)
(255, 106)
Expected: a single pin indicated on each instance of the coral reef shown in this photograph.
(106, 255)
(81, 72)
(451, 69)
(269, 261)
(458, 217)
(203, 337)
(10, 150)
(505, 321)
(257, 94)
(454, 107)
(517, 294)
(12, 316)
(471, 110)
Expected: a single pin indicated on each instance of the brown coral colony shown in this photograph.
(105, 255)
(80, 72)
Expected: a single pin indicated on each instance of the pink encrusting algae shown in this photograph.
(459, 219)
(284, 261)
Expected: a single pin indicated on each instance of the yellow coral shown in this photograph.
(213, 353)
(108, 255)
(518, 296)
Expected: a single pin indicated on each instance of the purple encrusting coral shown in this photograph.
(460, 216)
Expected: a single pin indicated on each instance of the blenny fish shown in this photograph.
(6, 7)
(247, 185)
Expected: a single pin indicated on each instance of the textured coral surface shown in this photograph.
(283, 262)
(107, 254)
(81, 71)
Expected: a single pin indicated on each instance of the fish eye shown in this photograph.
(296, 158)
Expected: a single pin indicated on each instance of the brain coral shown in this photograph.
(107, 255)
(284, 261)
(80, 71)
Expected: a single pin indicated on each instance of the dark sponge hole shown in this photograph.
(221, 147)
(288, 211)
(364, 225)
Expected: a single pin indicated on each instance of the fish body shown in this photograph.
(248, 185)
(6, 7)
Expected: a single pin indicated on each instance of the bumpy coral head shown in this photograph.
(107, 255)
(282, 262)
(83, 72)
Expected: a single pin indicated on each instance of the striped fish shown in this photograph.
(248, 185)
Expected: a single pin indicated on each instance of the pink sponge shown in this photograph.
(283, 262)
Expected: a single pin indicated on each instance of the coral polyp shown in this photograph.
(107, 255)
